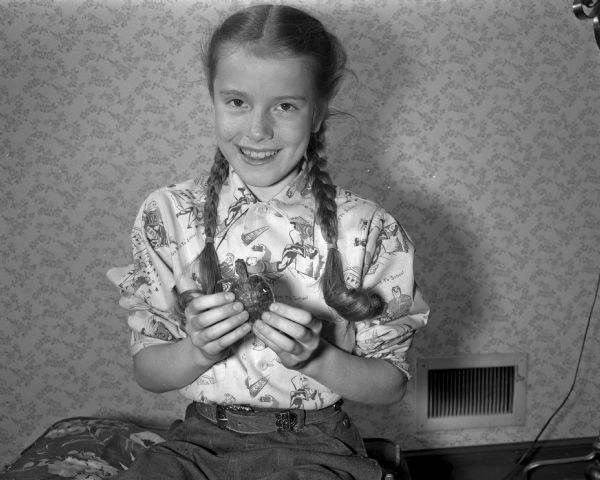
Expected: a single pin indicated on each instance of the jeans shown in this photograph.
(197, 449)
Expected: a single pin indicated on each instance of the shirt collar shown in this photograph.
(235, 198)
(234, 188)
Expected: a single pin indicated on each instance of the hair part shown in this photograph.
(284, 31)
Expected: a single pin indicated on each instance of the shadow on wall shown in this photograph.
(392, 142)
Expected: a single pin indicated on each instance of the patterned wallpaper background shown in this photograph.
(475, 123)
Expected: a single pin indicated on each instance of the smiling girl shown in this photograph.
(266, 395)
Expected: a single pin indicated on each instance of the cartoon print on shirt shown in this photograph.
(363, 230)
(305, 191)
(249, 237)
(391, 240)
(348, 196)
(270, 400)
(260, 259)
(243, 197)
(156, 329)
(303, 255)
(260, 262)
(265, 364)
(139, 273)
(398, 306)
(394, 238)
(384, 340)
(138, 285)
(154, 227)
(255, 387)
(303, 395)
(190, 203)
(206, 379)
(227, 266)
(136, 277)
(361, 241)
(352, 277)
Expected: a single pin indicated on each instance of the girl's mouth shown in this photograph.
(258, 156)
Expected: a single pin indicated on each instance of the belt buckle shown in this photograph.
(286, 421)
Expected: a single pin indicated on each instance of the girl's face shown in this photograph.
(265, 111)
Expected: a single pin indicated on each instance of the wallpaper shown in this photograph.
(474, 123)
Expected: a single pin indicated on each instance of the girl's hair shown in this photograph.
(283, 31)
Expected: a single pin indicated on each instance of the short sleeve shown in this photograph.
(388, 270)
(147, 285)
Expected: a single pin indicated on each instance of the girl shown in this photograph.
(266, 395)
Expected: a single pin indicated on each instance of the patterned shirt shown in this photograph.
(281, 239)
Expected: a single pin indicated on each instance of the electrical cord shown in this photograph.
(525, 457)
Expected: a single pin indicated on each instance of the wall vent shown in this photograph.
(471, 391)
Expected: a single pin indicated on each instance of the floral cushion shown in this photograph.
(83, 448)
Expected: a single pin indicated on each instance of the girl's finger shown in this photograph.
(298, 315)
(202, 303)
(229, 339)
(275, 339)
(222, 328)
(215, 315)
(297, 332)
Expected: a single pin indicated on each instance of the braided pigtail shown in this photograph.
(353, 304)
(206, 269)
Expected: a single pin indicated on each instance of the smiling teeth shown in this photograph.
(258, 155)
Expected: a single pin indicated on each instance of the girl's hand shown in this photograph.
(292, 333)
(214, 323)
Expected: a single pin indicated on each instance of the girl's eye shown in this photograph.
(236, 102)
(287, 107)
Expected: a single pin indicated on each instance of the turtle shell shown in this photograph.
(253, 291)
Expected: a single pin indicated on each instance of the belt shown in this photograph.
(248, 419)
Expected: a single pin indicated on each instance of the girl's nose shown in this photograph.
(260, 126)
